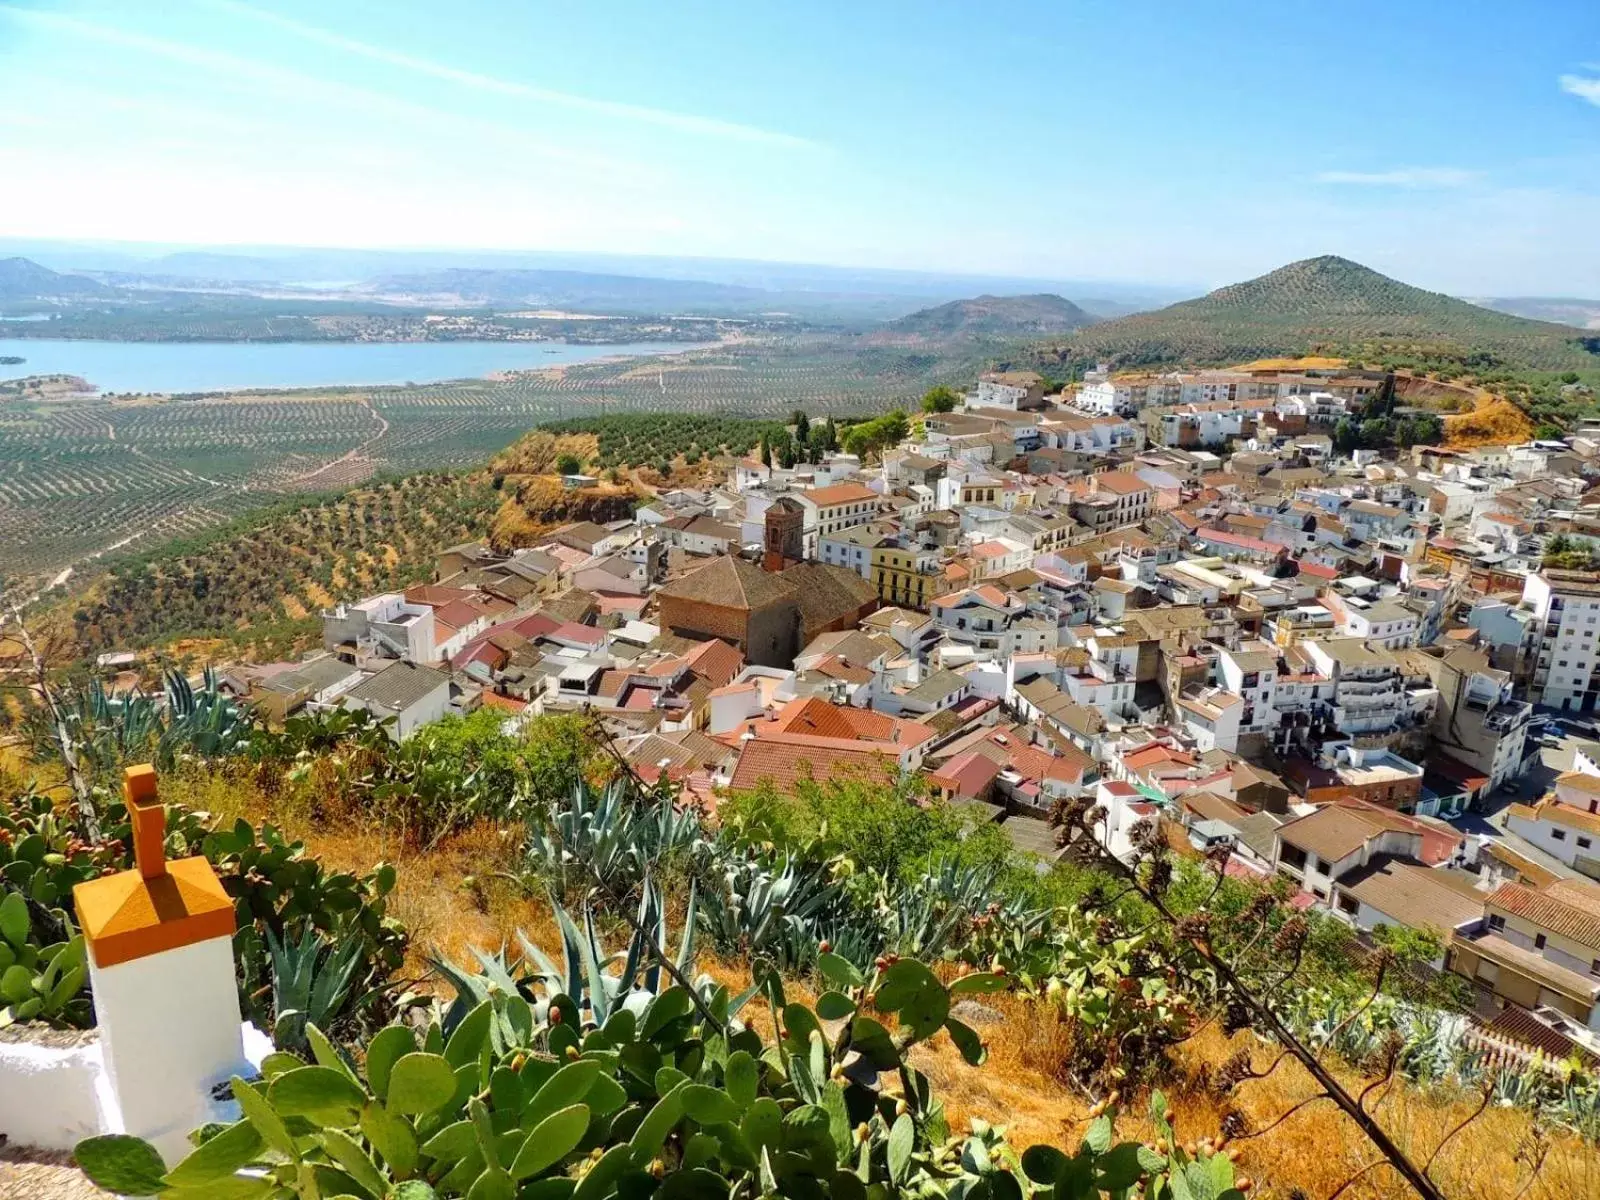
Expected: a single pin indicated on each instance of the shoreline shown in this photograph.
(89, 390)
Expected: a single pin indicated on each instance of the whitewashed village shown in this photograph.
(1168, 593)
(1171, 596)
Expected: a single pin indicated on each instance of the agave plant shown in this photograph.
(109, 731)
(582, 972)
(612, 833)
(775, 911)
(312, 981)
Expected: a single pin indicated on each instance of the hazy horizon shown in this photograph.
(1188, 149)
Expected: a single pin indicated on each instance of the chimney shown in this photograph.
(160, 949)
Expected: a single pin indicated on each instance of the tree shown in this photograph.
(786, 455)
(766, 451)
(802, 427)
(568, 464)
(939, 400)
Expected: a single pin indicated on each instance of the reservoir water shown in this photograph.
(233, 366)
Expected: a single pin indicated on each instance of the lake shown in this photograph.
(233, 366)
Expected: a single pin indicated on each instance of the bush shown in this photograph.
(669, 1095)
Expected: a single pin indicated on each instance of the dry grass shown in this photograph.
(1023, 1084)
(452, 899)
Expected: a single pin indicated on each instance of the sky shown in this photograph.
(1456, 146)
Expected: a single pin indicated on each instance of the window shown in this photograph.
(1558, 835)
(1497, 922)
(1538, 941)
(1584, 843)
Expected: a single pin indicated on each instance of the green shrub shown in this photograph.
(674, 1098)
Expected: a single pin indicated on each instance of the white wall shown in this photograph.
(49, 1095)
(169, 1026)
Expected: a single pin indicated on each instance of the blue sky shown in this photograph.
(1456, 146)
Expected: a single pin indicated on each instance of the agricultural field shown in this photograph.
(85, 481)
(259, 579)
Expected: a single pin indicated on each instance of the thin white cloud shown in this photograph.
(1582, 87)
(296, 86)
(1404, 177)
(683, 122)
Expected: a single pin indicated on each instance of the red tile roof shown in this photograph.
(1557, 915)
(716, 662)
(967, 775)
(839, 493)
(786, 759)
(1123, 483)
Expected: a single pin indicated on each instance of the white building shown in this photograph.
(838, 506)
(386, 625)
(1566, 610)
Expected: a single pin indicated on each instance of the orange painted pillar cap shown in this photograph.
(149, 820)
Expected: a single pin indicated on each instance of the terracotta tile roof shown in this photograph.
(715, 661)
(1558, 814)
(968, 774)
(1520, 1025)
(436, 595)
(505, 703)
(786, 759)
(1548, 912)
(1415, 896)
(1579, 781)
(730, 583)
(839, 493)
(1124, 483)
(1331, 833)
(835, 667)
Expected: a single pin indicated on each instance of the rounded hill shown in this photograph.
(995, 316)
(1330, 304)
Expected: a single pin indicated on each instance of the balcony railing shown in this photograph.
(1508, 717)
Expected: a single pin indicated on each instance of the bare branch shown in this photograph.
(1264, 1013)
(1488, 1091)
(82, 797)
(1255, 1133)
(1377, 1162)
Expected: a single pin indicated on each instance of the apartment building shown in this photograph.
(830, 509)
(1477, 722)
(1566, 609)
(1114, 499)
(906, 575)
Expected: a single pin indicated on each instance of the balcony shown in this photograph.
(1507, 717)
(1368, 687)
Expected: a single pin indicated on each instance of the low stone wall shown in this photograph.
(52, 1086)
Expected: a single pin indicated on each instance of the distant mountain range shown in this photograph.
(1329, 304)
(996, 316)
(23, 279)
(567, 289)
(1566, 310)
(868, 293)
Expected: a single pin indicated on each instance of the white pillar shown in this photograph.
(161, 974)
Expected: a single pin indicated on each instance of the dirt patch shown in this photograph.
(27, 1173)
